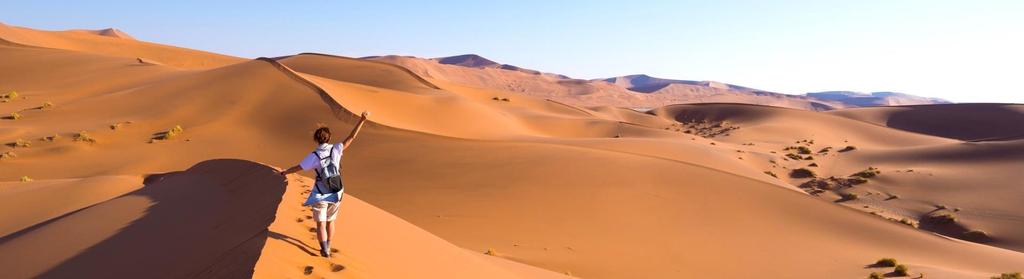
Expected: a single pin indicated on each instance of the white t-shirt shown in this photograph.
(312, 162)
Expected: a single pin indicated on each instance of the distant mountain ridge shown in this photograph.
(636, 91)
(883, 98)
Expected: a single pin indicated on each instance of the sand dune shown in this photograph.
(968, 122)
(449, 169)
(205, 222)
(114, 43)
(109, 32)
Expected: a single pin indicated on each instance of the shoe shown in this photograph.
(325, 253)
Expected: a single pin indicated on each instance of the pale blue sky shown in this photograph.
(964, 51)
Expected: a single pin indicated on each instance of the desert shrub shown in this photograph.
(799, 149)
(26, 179)
(802, 173)
(8, 155)
(907, 222)
(51, 138)
(825, 150)
(976, 235)
(21, 143)
(876, 275)
(83, 137)
(10, 95)
(505, 99)
(496, 99)
(770, 173)
(1015, 275)
(942, 218)
(893, 197)
(171, 133)
(848, 148)
(812, 165)
(886, 262)
(868, 173)
(794, 156)
(490, 252)
(46, 105)
(14, 116)
(809, 157)
(901, 270)
(849, 196)
(856, 180)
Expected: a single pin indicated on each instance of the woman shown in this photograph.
(324, 199)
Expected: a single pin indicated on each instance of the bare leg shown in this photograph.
(330, 231)
(321, 231)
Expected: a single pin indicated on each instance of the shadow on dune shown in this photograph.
(967, 122)
(209, 221)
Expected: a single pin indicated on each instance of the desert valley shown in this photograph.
(129, 159)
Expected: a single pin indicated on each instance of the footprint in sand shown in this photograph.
(308, 270)
(337, 267)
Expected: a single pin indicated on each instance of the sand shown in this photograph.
(446, 171)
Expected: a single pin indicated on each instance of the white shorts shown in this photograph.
(325, 211)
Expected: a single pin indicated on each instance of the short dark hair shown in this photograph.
(322, 135)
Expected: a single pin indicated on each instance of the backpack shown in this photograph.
(328, 176)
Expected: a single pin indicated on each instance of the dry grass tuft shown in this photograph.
(83, 137)
(868, 173)
(802, 173)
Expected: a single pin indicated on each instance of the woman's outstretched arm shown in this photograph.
(355, 130)
(291, 170)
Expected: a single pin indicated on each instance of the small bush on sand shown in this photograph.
(26, 179)
(942, 218)
(770, 173)
(50, 138)
(876, 275)
(794, 156)
(490, 252)
(978, 235)
(809, 157)
(21, 143)
(907, 222)
(14, 116)
(799, 149)
(83, 137)
(46, 105)
(504, 99)
(802, 173)
(1015, 275)
(868, 173)
(825, 150)
(886, 262)
(496, 99)
(170, 134)
(8, 155)
(848, 196)
(856, 180)
(10, 95)
(901, 270)
(848, 148)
